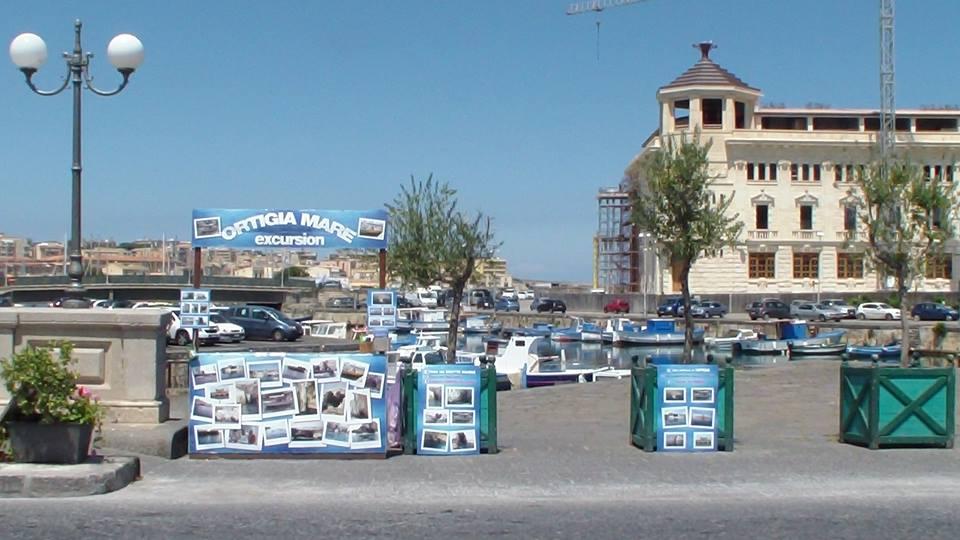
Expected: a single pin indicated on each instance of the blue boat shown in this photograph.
(619, 324)
(539, 329)
(890, 351)
(657, 332)
(801, 342)
(579, 331)
(480, 324)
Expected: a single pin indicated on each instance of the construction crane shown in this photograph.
(888, 111)
(596, 6)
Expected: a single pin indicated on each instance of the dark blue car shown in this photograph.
(930, 311)
(507, 304)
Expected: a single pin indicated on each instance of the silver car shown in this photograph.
(817, 312)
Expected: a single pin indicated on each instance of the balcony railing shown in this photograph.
(807, 235)
(846, 236)
(761, 234)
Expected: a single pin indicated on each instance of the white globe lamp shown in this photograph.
(28, 51)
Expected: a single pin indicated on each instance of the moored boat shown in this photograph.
(580, 330)
(409, 319)
(480, 324)
(657, 332)
(521, 362)
(733, 336)
(890, 351)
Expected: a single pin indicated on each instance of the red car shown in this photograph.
(617, 306)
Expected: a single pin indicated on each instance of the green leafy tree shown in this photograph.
(295, 271)
(907, 219)
(672, 201)
(432, 241)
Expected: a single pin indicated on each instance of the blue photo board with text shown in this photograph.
(448, 410)
(276, 403)
(687, 408)
(381, 311)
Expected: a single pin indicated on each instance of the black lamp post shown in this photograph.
(29, 52)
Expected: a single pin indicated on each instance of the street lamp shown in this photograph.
(29, 52)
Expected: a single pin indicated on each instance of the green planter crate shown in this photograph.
(488, 409)
(894, 406)
(644, 414)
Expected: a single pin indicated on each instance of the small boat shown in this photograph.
(540, 329)
(798, 335)
(733, 336)
(762, 346)
(428, 319)
(890, 351)
(424, 343)
(521, 363)
(324, 328)
(619, 324)
(657, 332)
(480, 324)
(817, 349)
(579, 331)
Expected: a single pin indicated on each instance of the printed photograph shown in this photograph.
(374, 312)
(278, 402)
(204, 375)
(202, 308)
(276, 432)
(374, 384)
(703, 439)
(674, 395)
(701, 417)
(674, 416)
(295, 370)
(462, 418)
(326, 369)
(333, 399)
(675, 440)
(433, 417)
(359, 405)
(459, 396)
(221, 392)
(354, 372)
(434, 440)
(434, 396)
(373, 322)
(701, 395)
(187, 322)
(245, 438)
(389, 312)
(266, 371)
(207, 438)
(306, 433)
(186, 295)
(336, 433)
(463, 441)
(247, 395)
(371, 228)
(365, 434)
(307, 402)
(382, 298)
(226, 416)
(207, 227)
(202, 410)
(234, 368)
(202, 296)
(203, 321)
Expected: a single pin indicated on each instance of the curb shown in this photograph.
(96, 476)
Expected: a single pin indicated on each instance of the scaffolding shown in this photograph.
(616, 255)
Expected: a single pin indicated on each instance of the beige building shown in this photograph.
(791, 173)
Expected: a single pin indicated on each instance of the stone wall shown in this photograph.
(120, 354)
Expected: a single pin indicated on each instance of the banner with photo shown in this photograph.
(686, 406)
(381, 311)
(297, 229)
(276, 403)
(448, 410)
(194, 308)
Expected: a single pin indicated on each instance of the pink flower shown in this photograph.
(83, 392)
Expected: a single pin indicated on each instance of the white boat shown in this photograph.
(619, 324)
(429, 319)
(579, 330)
(521, 363)
(325, 328)
(734, 335)
(424, 343)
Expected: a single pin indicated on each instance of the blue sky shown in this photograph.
(323, 104)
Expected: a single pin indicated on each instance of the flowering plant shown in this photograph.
(44, 389)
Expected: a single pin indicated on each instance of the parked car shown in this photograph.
(695, 310)
(509, 292)
(227, 331)
(261, 322)
(506, 304)
(817, 312)
(146, 305)
(525, 295)
(184, 336)
(548, 304)
(769, 309)
(670, 307)
(479, 298)
(842, 305)
(931, 311)
(340, 302)
(618, 305)
(794, 304)
(5, 301)
(711, 309)
(403, 302)
(877, 310)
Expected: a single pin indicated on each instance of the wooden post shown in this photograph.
(197, 274)
(383, 269)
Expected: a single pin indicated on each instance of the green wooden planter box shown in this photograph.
(644, 415)
(488, 409)
(894, 406)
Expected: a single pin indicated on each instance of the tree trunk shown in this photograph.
(687, 316)
(904, 322)
(454, 325)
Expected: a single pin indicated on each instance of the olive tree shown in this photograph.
(432, 241)
(672, 200)
(907, 218)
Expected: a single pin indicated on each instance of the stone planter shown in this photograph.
(49, 443)
(894, 406)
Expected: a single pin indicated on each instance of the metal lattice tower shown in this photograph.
(888, 123)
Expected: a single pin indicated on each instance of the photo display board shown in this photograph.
(381, 311)
(448, 410)
(276, 403)
(284, 228)
(687, 405)
(194, 308)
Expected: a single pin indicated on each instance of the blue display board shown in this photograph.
(381, 311)
(299, 229)
(194, 308)
(448, 410)
(275, 403)
(687, 408)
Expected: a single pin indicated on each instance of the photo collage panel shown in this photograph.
(381, 310)
(449, 410)
(195, 308)
(287, 403)
(688, 418)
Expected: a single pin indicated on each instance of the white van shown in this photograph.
(422, 298)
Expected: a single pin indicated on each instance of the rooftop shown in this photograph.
(708, 73)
